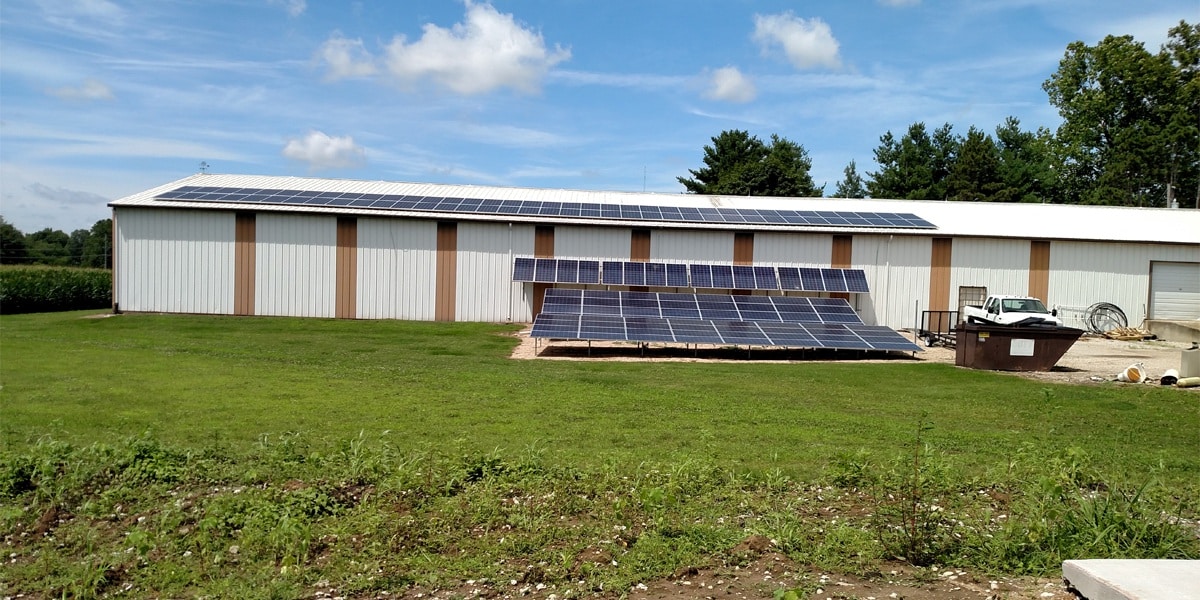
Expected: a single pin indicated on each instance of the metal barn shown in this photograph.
(289, 246)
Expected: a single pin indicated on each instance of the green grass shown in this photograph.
(167, 456)
(191, 380)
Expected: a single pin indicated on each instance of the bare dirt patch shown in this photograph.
(1091, 360)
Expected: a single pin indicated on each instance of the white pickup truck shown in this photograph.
(1013, 311)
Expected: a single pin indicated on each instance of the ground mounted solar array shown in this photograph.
(710, 319)
(709, 307)
(695, 275)
(538, 208)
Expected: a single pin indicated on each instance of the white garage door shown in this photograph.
(1174, 291)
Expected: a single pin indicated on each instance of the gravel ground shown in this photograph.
(1091, 360)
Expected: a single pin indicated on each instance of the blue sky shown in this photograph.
(104, 98)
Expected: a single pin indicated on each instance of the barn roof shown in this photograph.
(949, 219)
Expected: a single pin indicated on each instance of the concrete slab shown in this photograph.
(1134, 579)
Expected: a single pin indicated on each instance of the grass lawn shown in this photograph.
(195, 379)
(196, 456)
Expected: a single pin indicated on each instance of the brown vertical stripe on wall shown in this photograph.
(743, 248)
(543, 247)
(346, 299)
(447, 271)
(639, 245)
(639, 251)
(1039, 270)
(243, 264)
(841, 257)
(939, 274)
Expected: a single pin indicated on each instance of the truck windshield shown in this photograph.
(1027, 305)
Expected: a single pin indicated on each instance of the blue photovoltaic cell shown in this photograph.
(789, 278)
(834, 280)
(656, 274)
(545, 270)
(701, 276)
(764, 278)
(568, 271)
(856, 281)
(743, 277)
(589, 271)
(523, 269)
(612, 273)
(722, 277)
(535, 208)
(677, 275)
(811, 280)
(635, 273)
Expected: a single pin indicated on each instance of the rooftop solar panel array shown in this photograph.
(844, 336)
(537, 208)
(702, 276)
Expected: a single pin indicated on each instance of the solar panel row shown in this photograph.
(709, 307)
(702, 276)
(633, 212)
(846, 336)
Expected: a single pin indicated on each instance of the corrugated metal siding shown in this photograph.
(1083, 273)
(174, 261)
(397, 269)
(595, 243)
(1174, 291)
(792, 249)
(687, 246)
(486, 291)
(897, 270)
(295, 265)
(1002, 266)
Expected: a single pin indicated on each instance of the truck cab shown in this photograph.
(1012, 310)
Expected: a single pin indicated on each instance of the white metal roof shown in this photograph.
(953, 219)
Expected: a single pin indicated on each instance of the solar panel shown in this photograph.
(589, 271)
(810, 280)
(523, 269)
(722, 277)
(834, 280)
(789, 278)
(545, 270)
(677, 275)
(856, 281)
(547, 208)
(568, 271)
(656, 274)
(765, 279)
(635, 273)
(713, 307)
(612, 273)
(743, 277)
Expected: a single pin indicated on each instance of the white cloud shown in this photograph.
(806, 42)
(728, 84)
(487, 51)
(64, 196)
(294, 8)
(92, 89)
(345, 58)
(321, 151)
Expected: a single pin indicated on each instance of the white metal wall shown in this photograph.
(174, 261)
(1174, 291)
(814, 250)
(897, 270)
(397, 269)
(1002, 266)
(294, 265)
(593, 243)
(673, 245)
(485, 289)
(1083, 273)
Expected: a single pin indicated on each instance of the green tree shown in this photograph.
(916, 166)
(97, 251)
(49, 247)
(851, 185)
(13, 248)
(75, 244)
(1130, 129)
(975, 174)
(1026, 160)
(739, 164)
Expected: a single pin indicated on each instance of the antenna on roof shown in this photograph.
(203, 167)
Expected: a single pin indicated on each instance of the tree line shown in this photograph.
(80, 248)
(1130, 136)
